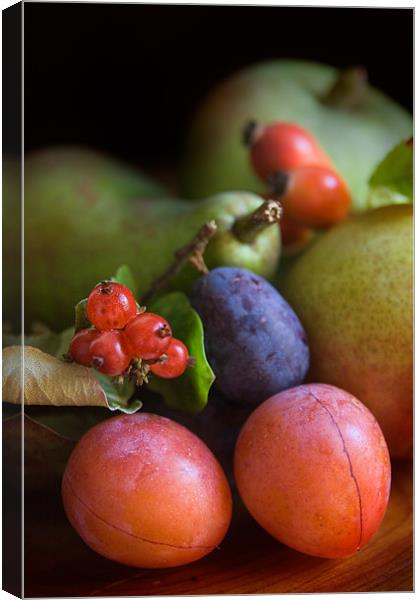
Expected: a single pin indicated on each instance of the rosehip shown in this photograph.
(111, 353)
(282, 147)
(293, 237)
(79, 348)
(110, 305)
(174, 362)
(149, 335)
(314, 197)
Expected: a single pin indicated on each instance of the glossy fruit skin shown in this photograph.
(144, 491)
(90, 188)
(175, 363)
(254, 341)
(217, 425)
(313, 468)
(110, 305)
(294, 237)
(290, 91)
(111, 353)
(353, 291)
(283, 146)
(316, 197)
(149, 335)
(79, 348)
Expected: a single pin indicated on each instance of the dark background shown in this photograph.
(126, 78)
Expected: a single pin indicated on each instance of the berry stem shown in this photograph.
(105, 287)
(247, 228)
(164, 332)
(349, 90)
(191, 252)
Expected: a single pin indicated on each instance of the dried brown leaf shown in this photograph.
(48, 380)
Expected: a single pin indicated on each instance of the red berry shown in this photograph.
(174, 362)
(111, 353)
(283, 147)
(110, 305)
(79, 348)
(315, 197)
(149, 335)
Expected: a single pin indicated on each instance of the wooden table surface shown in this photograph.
(249, 561)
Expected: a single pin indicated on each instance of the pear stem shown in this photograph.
(247, 228)
(191, 252)
(349, 89)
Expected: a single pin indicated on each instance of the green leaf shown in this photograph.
(190, 391)
(64, 339)
(392, 180)
(80, 319)
(119, 394)
(125, 276)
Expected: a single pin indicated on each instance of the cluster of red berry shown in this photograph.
(301, 176)
(125, 339)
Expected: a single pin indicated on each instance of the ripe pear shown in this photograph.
(353, 122)
(85, 215)
(353, 291)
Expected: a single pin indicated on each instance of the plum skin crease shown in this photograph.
(144, 491)
(313, 468)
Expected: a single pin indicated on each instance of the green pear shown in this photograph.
(54, 178)
(354, 123)
(86, 215)
(353, 291)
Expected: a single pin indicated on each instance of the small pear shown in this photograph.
(354, 123)
(86, 215)
(353, 291)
